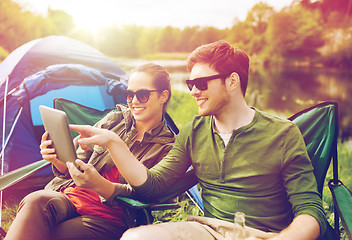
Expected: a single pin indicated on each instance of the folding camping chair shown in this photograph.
(319, 128)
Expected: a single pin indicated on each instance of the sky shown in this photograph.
(176, 13)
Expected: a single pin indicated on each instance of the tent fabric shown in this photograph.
(40, 53)
(53, 77)
(37, 68)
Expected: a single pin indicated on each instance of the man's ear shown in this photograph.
(164, 96)
(234, 81)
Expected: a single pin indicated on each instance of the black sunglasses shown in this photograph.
(202, 83)
(142, 95)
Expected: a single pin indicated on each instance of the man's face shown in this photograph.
(212, 100)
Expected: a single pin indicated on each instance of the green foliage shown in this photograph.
(9, 211)
(61, 23)
(19, 26)
(146, 43)
(182, 107)
(3, 53)
(187, 208)
(258, 17)
(14, 26)
(295, 33)
(344, 151)
(116, 41)
(342, 56)
(167, 39)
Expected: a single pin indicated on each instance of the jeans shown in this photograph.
(46, 214)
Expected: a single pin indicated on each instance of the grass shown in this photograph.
(8, 213)
(345, 167)
(182, 108)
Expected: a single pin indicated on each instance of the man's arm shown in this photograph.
(152, 182)
(131, 169)
(301, 187)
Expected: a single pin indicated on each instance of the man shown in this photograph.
(245, 160)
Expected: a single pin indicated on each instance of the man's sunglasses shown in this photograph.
(202, 83)
(142, 95)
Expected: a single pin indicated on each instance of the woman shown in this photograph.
(77, 204)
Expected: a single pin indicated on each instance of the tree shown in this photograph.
(122, 41)
(146, 44)
(343, 7)
(210, 34)
(62, 23)
(241, 34)
(14, 25)
(187, 41)
(258, 17)
(167, 40)
(18, 26)
(295, 33)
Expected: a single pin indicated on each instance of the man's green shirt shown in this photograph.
(263, 171)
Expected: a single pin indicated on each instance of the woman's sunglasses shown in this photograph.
(202, 83)
(142, 95)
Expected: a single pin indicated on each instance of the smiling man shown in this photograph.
(245, 160)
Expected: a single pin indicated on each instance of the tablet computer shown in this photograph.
(56, 124)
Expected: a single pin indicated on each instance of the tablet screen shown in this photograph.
(56, 124)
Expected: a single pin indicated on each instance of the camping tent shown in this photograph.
(40, 70)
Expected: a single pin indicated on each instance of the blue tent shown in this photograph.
(37, 72)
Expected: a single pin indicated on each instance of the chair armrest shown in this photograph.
(342, 197)
(136, 204)
(132, 203)
(15, 176)
(188, 181)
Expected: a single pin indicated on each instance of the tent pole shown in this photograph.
(18, 114)
(3, 143)
(194, 202)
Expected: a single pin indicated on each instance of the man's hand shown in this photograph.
(304, 227)
(92, 135)
(129, 166)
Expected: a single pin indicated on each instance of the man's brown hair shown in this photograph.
(223, 58)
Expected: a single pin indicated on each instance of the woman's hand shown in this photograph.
(92, 135)
(49, 153)
(88, 177)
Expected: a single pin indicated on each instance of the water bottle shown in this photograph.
(239, 231)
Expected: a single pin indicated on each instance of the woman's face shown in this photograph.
(151, 111)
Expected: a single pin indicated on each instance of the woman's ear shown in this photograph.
(164, 96)
(234, 81)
